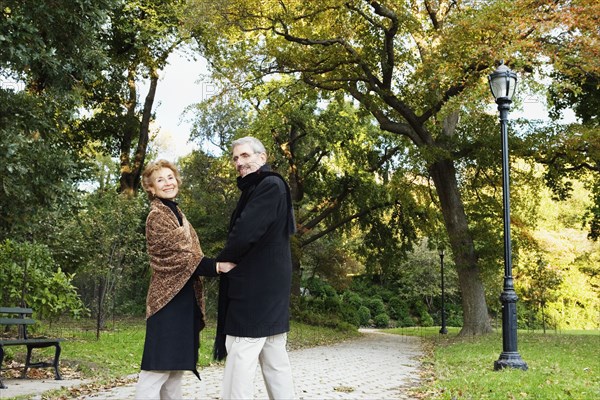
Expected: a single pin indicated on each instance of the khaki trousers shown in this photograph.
(243, 354)
(159, 385)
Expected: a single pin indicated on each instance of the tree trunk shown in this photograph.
(296, 267)
(475, 313)
(131, 171)
(543, 317)
(288, 148)
(99, 314)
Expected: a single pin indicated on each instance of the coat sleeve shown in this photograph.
(207, 267)
(260, 213)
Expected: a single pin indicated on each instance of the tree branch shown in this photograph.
(384, 121)
(344, 221)
(388, 62)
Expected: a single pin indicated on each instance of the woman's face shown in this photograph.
(164, 184)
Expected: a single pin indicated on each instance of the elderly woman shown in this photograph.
(175, 302)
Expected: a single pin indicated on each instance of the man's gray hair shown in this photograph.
(254, 143)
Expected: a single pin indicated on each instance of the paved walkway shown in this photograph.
(375, 366)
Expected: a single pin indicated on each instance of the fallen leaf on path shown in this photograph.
(345, 389)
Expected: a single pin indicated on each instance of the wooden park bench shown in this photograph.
(21, 317)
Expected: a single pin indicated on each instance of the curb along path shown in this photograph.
(374, 366)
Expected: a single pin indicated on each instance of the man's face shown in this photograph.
(246, 160)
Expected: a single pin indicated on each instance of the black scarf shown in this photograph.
(246, 184)
(173, 206)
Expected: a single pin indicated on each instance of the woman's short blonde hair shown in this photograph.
(151, 168)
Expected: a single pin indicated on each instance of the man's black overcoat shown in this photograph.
(258, 289)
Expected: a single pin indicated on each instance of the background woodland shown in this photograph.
(377, 113)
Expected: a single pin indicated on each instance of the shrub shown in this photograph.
(28, 273)
(312, 317)
(396, 308)
(364, 316)
(425, 318)
(353, 298)
(381, 320)
(454, 315)
(349, 313)
(376, 306)
(319, 288)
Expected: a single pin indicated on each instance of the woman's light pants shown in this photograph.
(243, 354)
(159, 385)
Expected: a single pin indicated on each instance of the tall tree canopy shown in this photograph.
(330, 151)
(140, 37)
(419, 67)
(576, 71)
(49, 54)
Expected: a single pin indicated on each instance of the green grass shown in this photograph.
(564, 365)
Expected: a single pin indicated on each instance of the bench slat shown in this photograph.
(16, 321)
(15, 310)
(14, 342)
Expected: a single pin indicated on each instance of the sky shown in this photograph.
(181, 84)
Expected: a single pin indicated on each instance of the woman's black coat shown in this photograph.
(172, 334)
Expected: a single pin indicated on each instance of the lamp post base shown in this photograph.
(443, 330)
(510, 359)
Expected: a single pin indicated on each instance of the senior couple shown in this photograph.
(254, 287)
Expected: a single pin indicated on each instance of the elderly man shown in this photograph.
(254, 297)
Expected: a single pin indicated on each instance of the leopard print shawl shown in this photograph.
(175, 253)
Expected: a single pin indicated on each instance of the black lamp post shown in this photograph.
(443, 329)
(503, 83)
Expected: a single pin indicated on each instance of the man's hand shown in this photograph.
(224, 267)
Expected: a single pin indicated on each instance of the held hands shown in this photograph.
(224, 267)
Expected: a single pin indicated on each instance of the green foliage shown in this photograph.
(557, 276)
(376, 306)
(381, 320)
(49, 54)
(396, 307)
(323, 305)
(313, 312)
(453, 315)
(52, 47)
(104, 242)
(29, 276)
(320, 288)
(331, 263)
(350, 314)
(570, 155)
(138, 38)
(364, 315)
(208, 196)
(352, 298)
(425, 318)
(399, 310)
(38, 170)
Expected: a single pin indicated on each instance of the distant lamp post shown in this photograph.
(503, 83)
(443, 329)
